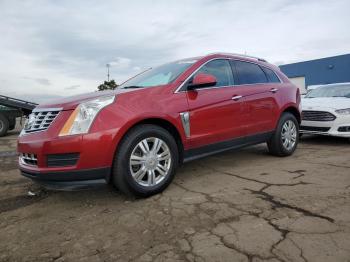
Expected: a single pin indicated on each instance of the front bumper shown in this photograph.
(90, 156)
(329, 128)
(72, 180)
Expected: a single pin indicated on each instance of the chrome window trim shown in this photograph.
(47, 109)
(185, 119)
(178, 90)
(194, 72)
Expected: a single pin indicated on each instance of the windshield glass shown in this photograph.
(162, 75)
(330, 91)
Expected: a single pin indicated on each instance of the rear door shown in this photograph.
(214, 115)
(259, 94)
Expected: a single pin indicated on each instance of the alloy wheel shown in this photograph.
(289, 135)
(150, 161)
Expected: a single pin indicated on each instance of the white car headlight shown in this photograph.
(83, 116)
(345, 111)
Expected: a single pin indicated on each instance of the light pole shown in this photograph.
(108, 66)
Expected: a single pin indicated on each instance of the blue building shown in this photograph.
(335, 69)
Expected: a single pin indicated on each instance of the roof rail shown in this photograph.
(242, 55)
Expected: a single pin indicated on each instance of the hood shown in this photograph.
(71, 102)
(325, 102)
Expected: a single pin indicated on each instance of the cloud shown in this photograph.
(120, 62)
(41, 81)
(72, 87)
(49, 38)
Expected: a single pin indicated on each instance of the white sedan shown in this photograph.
(326, 111)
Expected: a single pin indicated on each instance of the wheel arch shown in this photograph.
(294, 111)
(166, 124)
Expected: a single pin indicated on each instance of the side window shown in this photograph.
(249, 73)
(221, 69)
(271, 75)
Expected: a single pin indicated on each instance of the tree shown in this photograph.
(107, 85)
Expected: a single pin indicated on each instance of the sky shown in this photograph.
(60, 48)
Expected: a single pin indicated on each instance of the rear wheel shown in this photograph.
(286, 137)
(146, 161)
(4, 125)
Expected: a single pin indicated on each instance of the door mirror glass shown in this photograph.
(202, 80)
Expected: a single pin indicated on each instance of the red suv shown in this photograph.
(137, 135)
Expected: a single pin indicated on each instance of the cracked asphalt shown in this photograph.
(236, 206)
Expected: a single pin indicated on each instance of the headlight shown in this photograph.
(83, 116)
(345, 111)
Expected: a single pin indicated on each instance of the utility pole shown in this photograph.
(108, 66)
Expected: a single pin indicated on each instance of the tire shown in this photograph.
(12, 123)
(4, 125)
(133, 144)
(276, 145)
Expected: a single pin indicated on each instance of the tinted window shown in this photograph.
(271, 75)
(249, 73)
(221, 69)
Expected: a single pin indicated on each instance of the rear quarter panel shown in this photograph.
(289, 97)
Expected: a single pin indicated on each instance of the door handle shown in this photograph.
(273, 90)
(236, 98)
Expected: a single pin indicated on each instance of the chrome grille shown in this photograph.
(317, 116)
(39, 121)
(29, 159)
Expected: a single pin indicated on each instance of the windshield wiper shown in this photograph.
(132, 87)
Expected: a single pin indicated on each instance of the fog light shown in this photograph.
(344, 129)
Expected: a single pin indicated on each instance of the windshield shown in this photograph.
(162, 75)
(330, 91)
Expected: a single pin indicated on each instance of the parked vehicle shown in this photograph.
(8, 119)
(326, 111)
(310, 88)
(135, 136)
(10, 109)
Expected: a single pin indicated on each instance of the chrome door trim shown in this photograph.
(236, 98)
(185, 119)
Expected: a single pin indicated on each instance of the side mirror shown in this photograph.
(202, 80)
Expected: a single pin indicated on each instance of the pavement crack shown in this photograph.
(299, 173)
(300, 249)
(267, 184)
(278, 204)
(328, 164)
(207, 196)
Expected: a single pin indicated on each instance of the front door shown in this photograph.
(214, 115)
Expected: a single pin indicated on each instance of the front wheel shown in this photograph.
(286, 136)
(146, 161)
